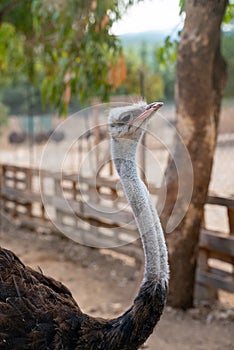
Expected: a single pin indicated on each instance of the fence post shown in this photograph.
(203, 293)
(28, 187)
(230, 213)
(58, 194)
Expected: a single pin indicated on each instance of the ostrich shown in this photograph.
(37, 312)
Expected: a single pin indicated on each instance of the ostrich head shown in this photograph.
(129, 122)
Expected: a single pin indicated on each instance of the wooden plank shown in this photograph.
(221, 273)
(204, 293)
(216, 243)
(202, 260)
(19, 195)
(230, 213)
(219, 256)
(95, 182)
(98, 182)
(112, 197)
(15, 168)
(35, 222)
(28, 177)
(215, 281)
(80, 235)
(66, 205)
(227, 202)
(15, 179)
(96, 211)
(47, 174)
(111, 183)
(154, 190)
(58, 187)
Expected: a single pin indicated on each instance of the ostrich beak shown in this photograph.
(149, 109)
(154, 106)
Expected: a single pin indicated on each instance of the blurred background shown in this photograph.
(61, 58)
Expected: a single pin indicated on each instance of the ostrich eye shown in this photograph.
(126, 118)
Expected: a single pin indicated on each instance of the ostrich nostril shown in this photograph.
(154, 106)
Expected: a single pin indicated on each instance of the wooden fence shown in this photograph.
(90, 211)
(215, 264)
(94, 212)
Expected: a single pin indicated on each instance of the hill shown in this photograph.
(150, 38)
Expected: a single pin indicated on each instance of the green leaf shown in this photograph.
(229, 15)
(182, 6)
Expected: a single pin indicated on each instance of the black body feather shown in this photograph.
(37, 312)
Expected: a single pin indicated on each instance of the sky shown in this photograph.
(149, 15)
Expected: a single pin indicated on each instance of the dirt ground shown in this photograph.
(104, 283)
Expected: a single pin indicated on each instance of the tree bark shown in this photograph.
(200, 79)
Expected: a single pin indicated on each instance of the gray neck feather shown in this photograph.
(149, 226)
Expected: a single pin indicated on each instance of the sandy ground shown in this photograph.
(104, 284)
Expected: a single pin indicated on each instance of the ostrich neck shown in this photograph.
(148, 223)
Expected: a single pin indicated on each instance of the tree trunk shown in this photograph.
(200, 79)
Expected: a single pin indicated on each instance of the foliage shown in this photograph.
(182, 6)
(65, 43)
(11, 49)
(141, 53)
(66, 49)
(229, 15)
(159, 51)
(137, 68)
(167, 53)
